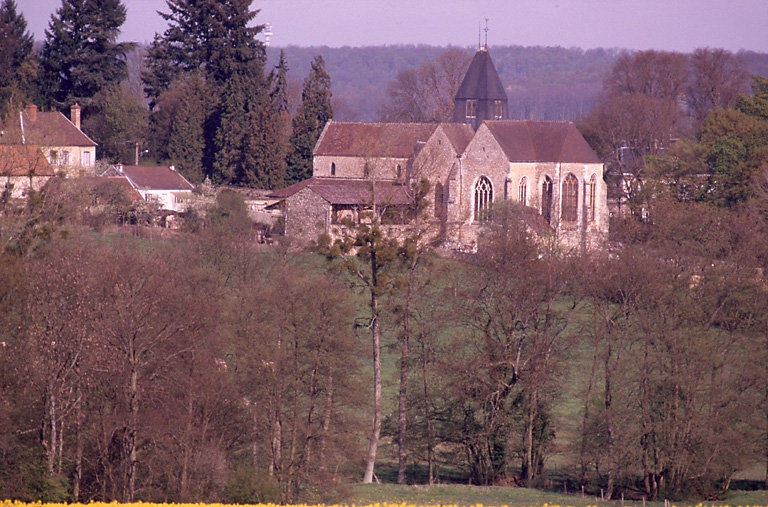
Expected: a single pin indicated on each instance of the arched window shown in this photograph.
(439, 200)
(522, 191)
(569, 210)
(399, 171)
(590, 189)
(471, 108)
(483, 199)
(546, 199)
(333, 168)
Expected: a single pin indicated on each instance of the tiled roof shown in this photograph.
(542, 141)
(155, 178)
(460, 134)
(21, 160)
(396, 140)
(481, 80)
(350, 191)
(48, 129)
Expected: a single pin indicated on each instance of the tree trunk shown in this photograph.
(376, 337)
(130, 486)
(530, 474)
(609, 421)
(402, 421)
(585, 419)
(427, 418)
(78, 447)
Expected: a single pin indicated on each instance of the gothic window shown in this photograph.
(333, 168)
(471, 108)
(589, 195)
(483, 199)
(570, 198)
(546, 199)
(522, 191)
(498, 110)
(507, 184)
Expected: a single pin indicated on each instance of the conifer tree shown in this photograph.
(279, 81)
(17, 63)
(81, 56)
(315, 111)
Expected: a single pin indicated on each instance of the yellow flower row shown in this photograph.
(16, 503)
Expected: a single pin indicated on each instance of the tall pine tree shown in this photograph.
(17, 64)
(314, 112)
(81, 55)
(240, 131)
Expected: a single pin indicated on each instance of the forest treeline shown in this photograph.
(201, 367)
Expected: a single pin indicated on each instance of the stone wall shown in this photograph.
(354, 167)
(307, 215)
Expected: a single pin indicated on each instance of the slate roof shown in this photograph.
(349, 191)
(353, 139)
(155, 178)
(481, 81)
(48, 129)
(542, 141)
(460, 134)
(21, 160)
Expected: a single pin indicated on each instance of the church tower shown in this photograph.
(481, 95)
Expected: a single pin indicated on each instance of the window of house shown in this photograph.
(53, 157)
(570, 198)
(483, 199)
(85, 158)
(522, 191)
(64, 158)
(333, 168)
(546, 199)
(366, 170)
(471, 108)
(498, 110)
(589, 195)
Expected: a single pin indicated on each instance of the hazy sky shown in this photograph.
(680, 25)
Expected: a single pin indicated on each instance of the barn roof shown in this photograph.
(542, 141)
(350, 191)
(353, 139)
(481, 81)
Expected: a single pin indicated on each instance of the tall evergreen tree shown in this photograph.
(81, 55)
(17, 63)
(315, 111)
(241, 129)
(279, 82)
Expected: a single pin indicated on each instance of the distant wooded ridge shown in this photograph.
(543, 83)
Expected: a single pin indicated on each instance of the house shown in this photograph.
(22, 167)
(67, 148)
(480, 160)
(162, 185)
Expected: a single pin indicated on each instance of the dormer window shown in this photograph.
(471, 108)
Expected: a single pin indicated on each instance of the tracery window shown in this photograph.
(483, 199)
(590, 196)
(546, 199)
(471, 108)
(570, 200)
(522, 191)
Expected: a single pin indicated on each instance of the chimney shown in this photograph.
(32, 112)
(74, 115)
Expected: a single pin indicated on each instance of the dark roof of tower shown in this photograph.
(542, 141)
(481, 80)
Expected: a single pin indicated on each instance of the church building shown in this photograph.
(474, 163)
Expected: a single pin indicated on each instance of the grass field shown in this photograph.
(365, 494)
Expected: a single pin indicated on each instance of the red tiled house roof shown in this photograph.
(23, 160)
(43, 129)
